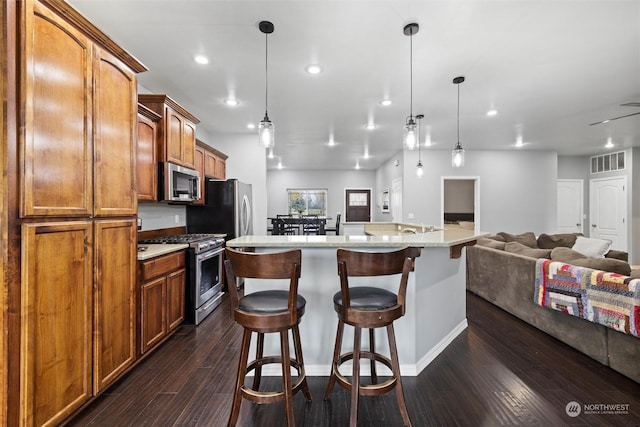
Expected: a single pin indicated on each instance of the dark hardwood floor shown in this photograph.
(500, 371)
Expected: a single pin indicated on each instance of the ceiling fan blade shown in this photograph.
(614, 118)
(631, 104)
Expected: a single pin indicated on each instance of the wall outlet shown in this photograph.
(410, 215)
(177, 219)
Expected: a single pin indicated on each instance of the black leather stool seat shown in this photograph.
(268, 302)
(367, 298)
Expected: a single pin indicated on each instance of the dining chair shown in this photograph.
(310, 224)
(335, 229)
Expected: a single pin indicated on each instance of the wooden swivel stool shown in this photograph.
(263, 312)
(370, 307)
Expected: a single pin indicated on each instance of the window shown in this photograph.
(607, 162)
(307, 201)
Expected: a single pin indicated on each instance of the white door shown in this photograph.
(570, 202)
(396, 200)
(608, 210)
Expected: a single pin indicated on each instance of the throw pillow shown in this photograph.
(594, 248)
(495, 237)
(527, 238)
(490, 243)
(519, 248)
(572, 257)
(550, 241)
(635, 274)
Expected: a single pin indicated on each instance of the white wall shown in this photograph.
(335, 181)
(517, 188)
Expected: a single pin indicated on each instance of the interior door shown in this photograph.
(570, 203)
(608, 210)
(358, 203)
(396, 199)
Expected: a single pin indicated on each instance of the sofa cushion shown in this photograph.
(495, 237)
(635, 274)
(527, 238)
(550, 241)
(572, 257)
(490, 243)
(621, 255)
(590, 247)
(519, 248)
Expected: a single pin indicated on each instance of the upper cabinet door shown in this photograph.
(174, 124)
(116, 107)
(56, 150)
(146, 158)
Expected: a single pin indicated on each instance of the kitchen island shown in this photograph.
(435, 304)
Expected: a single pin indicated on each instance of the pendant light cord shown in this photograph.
(411, 75)
(266, 72)
(458, 113)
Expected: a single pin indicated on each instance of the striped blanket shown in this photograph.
(611, 299)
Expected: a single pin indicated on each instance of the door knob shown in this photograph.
(593, 225)
(578, 225)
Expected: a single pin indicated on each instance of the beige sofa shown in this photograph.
(506, 279)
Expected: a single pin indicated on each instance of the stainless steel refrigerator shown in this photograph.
(227, 209)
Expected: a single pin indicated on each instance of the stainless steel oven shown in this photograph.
(205, 274)
(204, 279)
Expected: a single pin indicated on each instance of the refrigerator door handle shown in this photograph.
(245, 215)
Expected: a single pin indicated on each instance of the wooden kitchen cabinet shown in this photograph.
(72, 205)
(147, 160)
(57, 176)
(214, 161)
(114, 129)
(199, 166)
(114, 299)
(177, 130)
(162, 282)
(57, 334)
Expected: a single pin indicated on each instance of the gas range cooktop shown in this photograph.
(198, 241)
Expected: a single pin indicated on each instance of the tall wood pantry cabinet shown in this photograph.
(69, 155)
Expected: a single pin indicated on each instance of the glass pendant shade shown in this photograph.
(411, 135)
(419, 169)
(457, 156)
(266, 133)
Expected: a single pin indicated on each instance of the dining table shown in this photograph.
(280, 221)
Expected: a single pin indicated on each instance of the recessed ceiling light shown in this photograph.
(491, 113)
(370, 126)
(270, 154)
(331, 142)
(609, 143)
(357, 165)
(231, 102)
(251, 126)
(279, 165)
(201, 59)
(313, 69)
(385, 102)
(519, 142)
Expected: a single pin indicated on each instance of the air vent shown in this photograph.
(607, 162)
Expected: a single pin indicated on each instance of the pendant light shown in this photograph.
(265, 129)
(457, 155)
(419, 169)
(410, 127)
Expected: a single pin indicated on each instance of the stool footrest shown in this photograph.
(369, 389)
(256, 396)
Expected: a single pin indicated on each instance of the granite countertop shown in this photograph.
(439, 238)
(154, 250)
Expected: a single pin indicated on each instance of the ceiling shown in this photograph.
(549, 67)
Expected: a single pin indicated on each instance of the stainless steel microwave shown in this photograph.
(178, 184)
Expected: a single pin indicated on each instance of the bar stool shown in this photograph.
(264, 312)
(370, 307)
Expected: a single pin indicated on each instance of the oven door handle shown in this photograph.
(209, 254)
